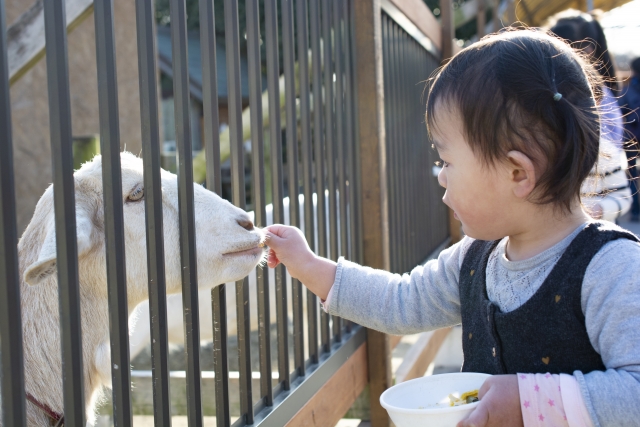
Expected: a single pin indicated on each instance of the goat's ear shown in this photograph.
(46, 264)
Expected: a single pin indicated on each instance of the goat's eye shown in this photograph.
(136, 194)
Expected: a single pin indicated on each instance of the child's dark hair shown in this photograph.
(526, 91)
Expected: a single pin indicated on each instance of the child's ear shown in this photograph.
(522, 173)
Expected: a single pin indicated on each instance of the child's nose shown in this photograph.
(442, 178)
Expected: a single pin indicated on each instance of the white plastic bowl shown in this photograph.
(425, 401)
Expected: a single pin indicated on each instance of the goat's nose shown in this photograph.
(246, 224)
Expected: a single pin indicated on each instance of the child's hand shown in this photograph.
(499, 404)
(287, 245)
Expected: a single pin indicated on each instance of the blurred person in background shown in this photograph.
(606, 192)
(630, 103)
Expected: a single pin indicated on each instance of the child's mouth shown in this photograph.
(455, 215)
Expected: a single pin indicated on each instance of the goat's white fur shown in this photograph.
(217, 233)
(139, 326)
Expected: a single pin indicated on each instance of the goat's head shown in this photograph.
(227, 244)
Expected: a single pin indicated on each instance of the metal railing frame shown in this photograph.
(330, 159)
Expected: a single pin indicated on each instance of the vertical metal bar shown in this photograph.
(258, 193)
(409, 85)
(422, 165)
(288, 51)
(307, 161)
(275, 138)
(65, 212)
(211, 124)
(388, 100)
(415, 154)
(329, 130)
(350, 138)
(13, 406)
(232, 38)
(401, 123)
(318, 123)
(340, 126)
(327, 27)
(393, 142)
(147, 72)
(349, 231)
(357, 167)
(186, 210)
(113, 215)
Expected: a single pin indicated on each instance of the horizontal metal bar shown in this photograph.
(205, 375)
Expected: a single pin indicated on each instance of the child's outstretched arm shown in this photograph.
(425, 299)
(287, 245)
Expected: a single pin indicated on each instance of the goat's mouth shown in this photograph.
(252, 251)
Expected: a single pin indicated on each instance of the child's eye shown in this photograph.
(442, 164)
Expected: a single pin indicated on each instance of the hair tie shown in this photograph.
(557, 97)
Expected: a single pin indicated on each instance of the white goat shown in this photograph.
(139, 323)
(227, 249)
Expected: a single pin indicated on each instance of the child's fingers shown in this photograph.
(478, 418)
(273, 240)
(272, 259)
(277, 229)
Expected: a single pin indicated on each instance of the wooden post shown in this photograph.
(370, 105)
(511, 12)
(582, 5)
(495, 16)
(481, 19)
(448, 29)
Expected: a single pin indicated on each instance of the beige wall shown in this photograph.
(30, 107)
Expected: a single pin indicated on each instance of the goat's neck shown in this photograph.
(42, 342)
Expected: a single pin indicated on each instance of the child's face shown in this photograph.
(480, 195)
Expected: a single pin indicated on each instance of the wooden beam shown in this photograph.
(422, 17)
(337, 395)
(25, 38)
(448, 30)
(421, 354)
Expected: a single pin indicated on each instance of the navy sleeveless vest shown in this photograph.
(547, 333)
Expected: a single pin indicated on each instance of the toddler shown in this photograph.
(548, 298)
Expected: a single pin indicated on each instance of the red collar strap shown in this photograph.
(57, 420)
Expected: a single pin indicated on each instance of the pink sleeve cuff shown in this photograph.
(576, 410)
(555, 400)
(541, 401)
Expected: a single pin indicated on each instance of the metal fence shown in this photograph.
(322, 157)
(418, 221)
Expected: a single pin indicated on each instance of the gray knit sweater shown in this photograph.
(427, 298)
